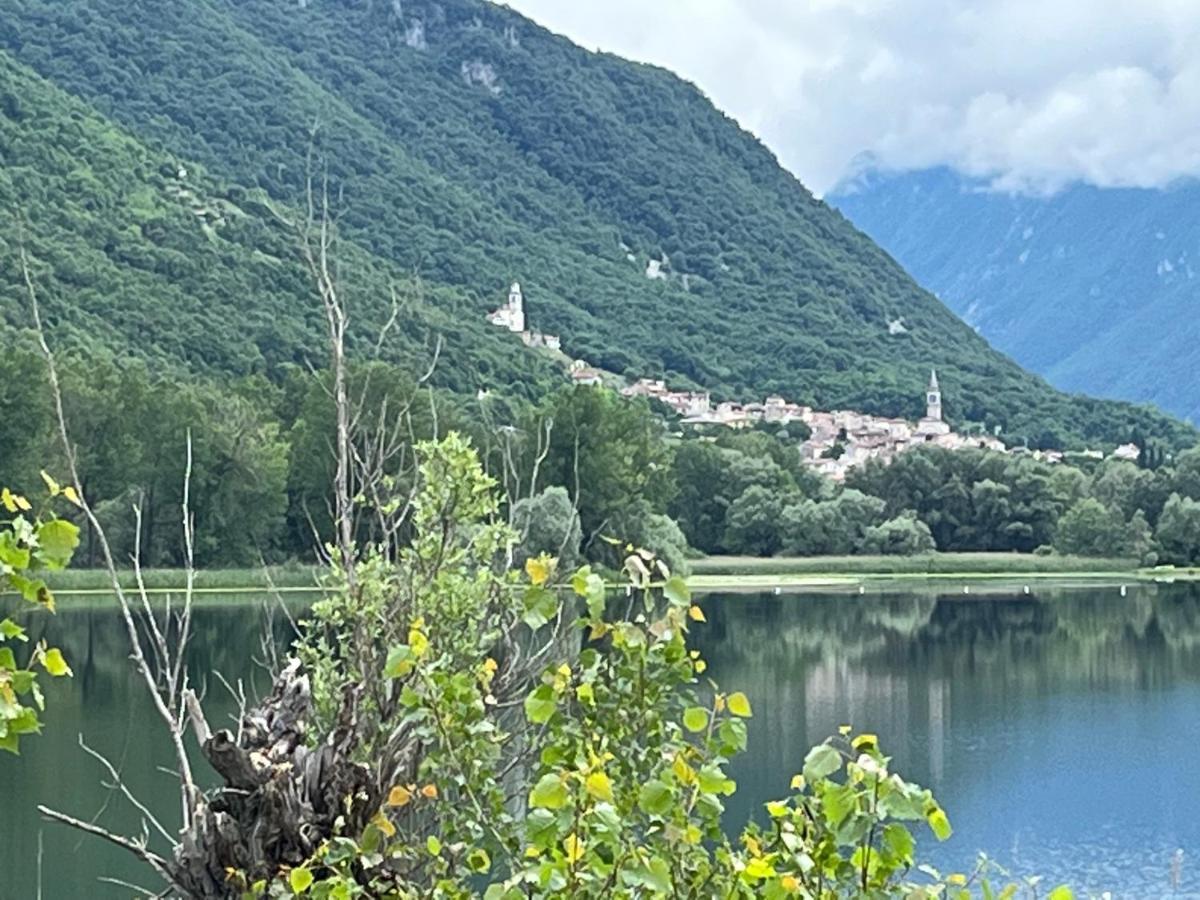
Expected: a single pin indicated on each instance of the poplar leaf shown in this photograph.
(55, 664)
(739, 705)
(300, 879)
(599, 786)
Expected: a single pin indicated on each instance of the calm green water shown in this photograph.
(1059, 729)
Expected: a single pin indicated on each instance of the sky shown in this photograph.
(1032, 95)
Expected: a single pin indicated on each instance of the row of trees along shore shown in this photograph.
(589, 462)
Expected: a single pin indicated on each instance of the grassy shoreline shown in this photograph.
(714, 573)
(990, 570)
(284, 579)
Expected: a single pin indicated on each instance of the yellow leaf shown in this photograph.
(51, 484)
(739, 705)
(867, 741)
(384, 824)
(539, 569)
(685, 773)
(418, 643)
(843, 730)
(22, 504)
(719, 703)
(798, 782)
(10, 503)
(699, 665)
(790, 884)
(599, 786)
(399, 796)
(69, 493)
(696, 614)
(752, 845)
(574, 848)
(429, 792)
(55, 664)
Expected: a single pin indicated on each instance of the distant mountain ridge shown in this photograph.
(474, 148)
(1097, 289)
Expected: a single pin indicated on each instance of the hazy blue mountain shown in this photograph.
(1097, 289)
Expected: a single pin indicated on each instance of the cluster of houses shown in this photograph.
(839, 440)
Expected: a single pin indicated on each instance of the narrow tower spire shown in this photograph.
(933, 398)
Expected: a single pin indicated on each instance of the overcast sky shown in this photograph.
(1030, 93)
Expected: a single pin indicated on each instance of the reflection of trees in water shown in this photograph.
(107, 703)
(226, 639)
(1081, 635)
(929, 671)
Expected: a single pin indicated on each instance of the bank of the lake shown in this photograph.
(287, 578)
(712, 573)
(747, 573)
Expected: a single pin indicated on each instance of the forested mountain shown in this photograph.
(1094, 288)
(150, 145)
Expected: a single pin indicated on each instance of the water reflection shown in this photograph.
(1058, 727)
(106, 703)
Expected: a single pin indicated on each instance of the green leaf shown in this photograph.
(713, 781)
(821, 761)
(1062, 892)
(11, 553)
(433, 845)
(8, 661)
(733, 736)
(937, 820)
(57, 540)
(55, 664)
(899, 842)
(541, 827)
(655, 798)
(399, 662)
(10, 630)
(739, 705)
(695, 719)
(677, 592)
(539, 705)
(655, 875)
(548, 793)
(26, 722)
(478, 860)
(300, 879)
(541, 605)
(32, 589)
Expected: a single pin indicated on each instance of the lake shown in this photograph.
(1059, 728)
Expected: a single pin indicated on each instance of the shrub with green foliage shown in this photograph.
(610, 780)
(31, 542)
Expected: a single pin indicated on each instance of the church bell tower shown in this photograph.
(933, 398)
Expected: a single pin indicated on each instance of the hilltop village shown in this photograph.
(838, 440)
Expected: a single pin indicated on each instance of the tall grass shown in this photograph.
(229, 580)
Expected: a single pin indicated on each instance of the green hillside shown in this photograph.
(473, 148)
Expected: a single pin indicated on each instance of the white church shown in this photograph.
(511, 317)
(512, 314)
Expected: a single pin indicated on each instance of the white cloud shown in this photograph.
(1031, 93)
